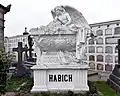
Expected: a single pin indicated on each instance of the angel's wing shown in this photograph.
(53, 13)
(76, 16)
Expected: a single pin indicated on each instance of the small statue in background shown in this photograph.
(30, 43)
(26, 55)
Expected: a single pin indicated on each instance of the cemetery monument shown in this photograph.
(60, 50)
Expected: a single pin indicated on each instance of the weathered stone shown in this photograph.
(60, 49)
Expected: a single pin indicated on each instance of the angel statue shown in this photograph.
(69, 19)
(61, 20)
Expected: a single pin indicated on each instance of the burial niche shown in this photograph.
(92, 65)
(90, 41)
(99, 41)
(99, 49)
(108, 49)
(99, 58)
(108, 31)
(108, 59)
(117, 30)
(108, 67)
(91, 58)
(99, 32)
(99, 66)
(91, 49)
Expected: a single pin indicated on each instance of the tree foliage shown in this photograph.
(5, 61)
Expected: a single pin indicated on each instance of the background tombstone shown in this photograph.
(114, 78)
(20, 68)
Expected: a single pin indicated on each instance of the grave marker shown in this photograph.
(60, 50)
(20, 68)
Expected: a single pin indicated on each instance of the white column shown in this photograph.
(80, 81)
(39, 81)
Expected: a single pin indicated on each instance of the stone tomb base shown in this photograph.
(60, 78)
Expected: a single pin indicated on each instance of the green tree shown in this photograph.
(5, 61)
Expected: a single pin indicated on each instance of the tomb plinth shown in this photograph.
(60, 50)
(60, 78)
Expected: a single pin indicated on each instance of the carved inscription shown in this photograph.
(60, 78)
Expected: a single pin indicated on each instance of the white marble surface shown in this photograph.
(78, 82)
(60, 49)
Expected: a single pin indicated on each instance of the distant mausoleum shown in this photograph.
(3, 11)
(101, 55)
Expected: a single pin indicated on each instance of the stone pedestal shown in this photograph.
(60, 78)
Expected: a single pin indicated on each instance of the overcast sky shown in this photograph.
(34, 13)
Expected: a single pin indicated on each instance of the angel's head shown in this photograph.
(59, 10)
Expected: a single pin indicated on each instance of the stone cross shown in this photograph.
(20, 50)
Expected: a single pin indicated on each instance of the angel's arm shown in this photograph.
(68, 19)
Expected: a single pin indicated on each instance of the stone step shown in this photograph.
(115, 79)
(114, 85)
